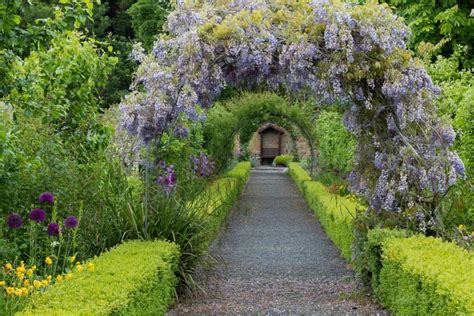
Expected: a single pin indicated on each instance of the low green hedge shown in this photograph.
(335, 214)
(426, 276)
(241, 171)
(135, 278)
(282, 160)
(299, 175)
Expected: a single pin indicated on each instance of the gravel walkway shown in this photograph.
(273, 257)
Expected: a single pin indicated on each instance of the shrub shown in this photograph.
(298, 174)
(241, 171)
(282, 160)
(426, 276)
(134, 278)
(336, 145)
(335, 214)
(369, 262)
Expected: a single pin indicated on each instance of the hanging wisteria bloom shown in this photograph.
(38, 215)
(46, 197)
(167, 180)
(53, 229)
(14, 221)
(71, 222)
(333, 51)
(202, 165)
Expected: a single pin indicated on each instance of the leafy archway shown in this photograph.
(327, 50)
(248, 112)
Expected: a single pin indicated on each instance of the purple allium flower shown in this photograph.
(14, 221)
(71, 222)
(46, 197)
(37, 215)
(53, 229)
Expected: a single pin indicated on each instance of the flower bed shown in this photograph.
(137, 277)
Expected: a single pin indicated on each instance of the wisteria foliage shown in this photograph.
(350, 53)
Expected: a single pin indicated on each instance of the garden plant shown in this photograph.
(118, 129)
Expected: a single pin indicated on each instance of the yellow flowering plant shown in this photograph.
(18, 281)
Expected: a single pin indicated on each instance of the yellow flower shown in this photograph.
(48, 261)
(37, 284)
(33, 268)
(8, 266)
(18, 292)
(29, 272)
(10, 290)
(21, 269)
(20, 275)
(26, 283)
(79, 268)
(59, 278)
(49, 278)
(72, 259)
(90, 266)
(24, 291)
(68, 276)
(44, 283)
(2, 283)
(462, 227)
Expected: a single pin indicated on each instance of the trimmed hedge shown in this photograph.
(335, 213)
(241, 171)
(426, 276)
(282, 160)
(299, 175)
(135, 278)
(415, 275)
(224, 191)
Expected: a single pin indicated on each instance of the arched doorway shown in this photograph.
(273, 140)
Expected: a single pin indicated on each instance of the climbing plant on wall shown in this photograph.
(328, 50)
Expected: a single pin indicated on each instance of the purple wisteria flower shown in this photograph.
(168, 177)
(38, 215)
(71, 222)
(46, 197)
(14, 221)
(202, 165)
(53, 229)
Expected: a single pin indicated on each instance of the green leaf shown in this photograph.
(16, 19)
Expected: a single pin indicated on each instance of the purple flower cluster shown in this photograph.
(202, 166)
(38, 215)
(167, 180)
(352, 54)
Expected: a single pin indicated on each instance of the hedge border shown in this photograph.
(136, 277)
(410, 274)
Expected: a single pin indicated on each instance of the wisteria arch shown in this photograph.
(329, 50)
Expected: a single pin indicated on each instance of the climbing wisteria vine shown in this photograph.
(345, 52)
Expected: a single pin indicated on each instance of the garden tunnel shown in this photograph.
(327, 51)
(250, 111)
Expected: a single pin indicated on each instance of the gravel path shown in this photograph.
(273, 257)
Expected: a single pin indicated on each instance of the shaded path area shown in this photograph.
(273, 257)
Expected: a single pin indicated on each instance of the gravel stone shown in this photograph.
(273, 258)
